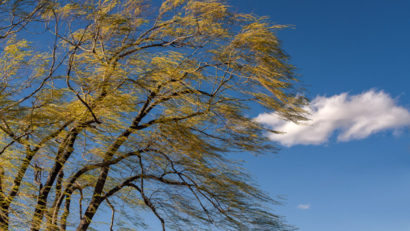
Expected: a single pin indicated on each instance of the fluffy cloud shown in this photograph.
(304, 206)
(352, 116)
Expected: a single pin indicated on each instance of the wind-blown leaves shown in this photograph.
(133, 106)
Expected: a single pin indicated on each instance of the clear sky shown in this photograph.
(352, 171)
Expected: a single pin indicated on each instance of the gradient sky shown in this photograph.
(350, 47)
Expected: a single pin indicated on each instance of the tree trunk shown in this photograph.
(89, 214)
(61, 158)
(4, 208)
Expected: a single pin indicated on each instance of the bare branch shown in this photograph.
(112, 214)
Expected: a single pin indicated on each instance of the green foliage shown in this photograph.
(134, 106)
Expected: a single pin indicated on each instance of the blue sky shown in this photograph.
(351, 47)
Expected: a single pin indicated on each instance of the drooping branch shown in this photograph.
(129, 183)
(53, 67)
(193, 185)
(167, 120)
(190, 186)
(6, 147)
(68, 75)
(15, 27)
(112, 214)
(148, 203)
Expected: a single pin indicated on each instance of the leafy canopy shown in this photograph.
(134, 106)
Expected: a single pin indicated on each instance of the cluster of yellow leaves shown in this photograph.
(185, 74)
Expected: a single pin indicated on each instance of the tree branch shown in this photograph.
(112, 214)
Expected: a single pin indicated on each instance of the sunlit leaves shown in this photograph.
(140, 103)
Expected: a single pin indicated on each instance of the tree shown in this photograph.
(128, 105)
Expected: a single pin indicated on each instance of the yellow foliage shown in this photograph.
(139, 104)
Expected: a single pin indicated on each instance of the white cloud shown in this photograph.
(352, 116)
(303, 206)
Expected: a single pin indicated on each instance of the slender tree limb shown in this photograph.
(112, 214)
(148, 203)
(6, 147)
